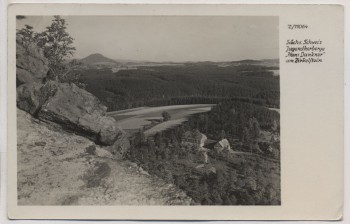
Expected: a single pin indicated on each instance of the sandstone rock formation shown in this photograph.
(31, 65)
(121, 146)
(58, 167)
(71, 107)
(80, 111)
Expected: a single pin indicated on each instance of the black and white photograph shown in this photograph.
(148, 110)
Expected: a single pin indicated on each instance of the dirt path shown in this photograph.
(53, 169)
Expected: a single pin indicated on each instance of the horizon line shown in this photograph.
(144, 60)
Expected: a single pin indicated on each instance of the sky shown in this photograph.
(170, 38)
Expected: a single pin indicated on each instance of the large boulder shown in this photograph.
(108, 132)
(31, 96)
(121, 146)
(65, 104)
(79, 111)
(31, 65)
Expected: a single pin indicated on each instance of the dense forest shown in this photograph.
(245, 178)
(190, 83)
(231, 116)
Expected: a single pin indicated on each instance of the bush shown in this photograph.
(166, 116)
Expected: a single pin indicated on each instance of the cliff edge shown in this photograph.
(56, 168)
(68, 149)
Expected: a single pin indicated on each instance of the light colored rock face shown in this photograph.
(62, 103)
(71, 107)
(81, 112)
(109, 131)
(121, 146)
(54, 169)
(31, 65)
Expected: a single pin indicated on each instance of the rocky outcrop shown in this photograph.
(81, 112)
(65, 104)
(31, 65)
(58, 167)
(71, 107)
(121, 146)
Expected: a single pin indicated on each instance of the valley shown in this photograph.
(142, 118)
(208, 104)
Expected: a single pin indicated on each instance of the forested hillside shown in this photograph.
(247, 176)
(232, 117)
(202, 82)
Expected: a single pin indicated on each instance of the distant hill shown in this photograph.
(96, 59)
(99, 59)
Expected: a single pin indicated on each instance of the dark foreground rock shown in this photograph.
(121, 146)
(31, 65)
(81, 112)
(71, 107)
(31, 96)
(65, 104)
